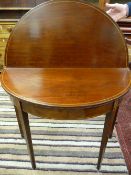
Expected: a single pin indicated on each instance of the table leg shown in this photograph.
(23, 116)
(19, 123)
(106, 132)
(114, 115)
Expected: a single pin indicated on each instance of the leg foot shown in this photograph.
(105, 136)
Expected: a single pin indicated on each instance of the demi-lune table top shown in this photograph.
(66, 87)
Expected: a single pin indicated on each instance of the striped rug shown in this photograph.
(61, 147)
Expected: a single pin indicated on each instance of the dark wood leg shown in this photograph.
(105, 136)
(114, 115)
(23, 116)
(19, 123)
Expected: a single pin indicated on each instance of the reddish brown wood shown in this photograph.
(66, 87)
(19, 122)
(66, 37)
(23, 116)
(66, 60)
(106, 133)
(114, 115)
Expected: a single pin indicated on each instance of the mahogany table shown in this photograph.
(66, 60)
(66, 93)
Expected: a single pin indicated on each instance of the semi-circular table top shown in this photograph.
(66, 87)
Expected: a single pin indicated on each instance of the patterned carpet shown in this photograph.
(61, 147)
(123, 128)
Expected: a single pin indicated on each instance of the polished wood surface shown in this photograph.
(10, 12)
(66, 60)
(57, 30)
(66, 87)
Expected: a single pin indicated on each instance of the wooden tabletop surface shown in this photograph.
(66, 87)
